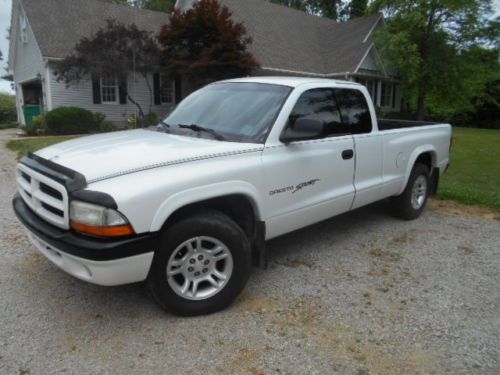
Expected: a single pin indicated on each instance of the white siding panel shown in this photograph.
(80, 95)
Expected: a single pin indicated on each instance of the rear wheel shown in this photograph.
(410, 204)
(202, 266)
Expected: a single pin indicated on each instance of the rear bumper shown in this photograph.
(98, 261)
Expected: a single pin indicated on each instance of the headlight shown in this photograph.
(98, 221)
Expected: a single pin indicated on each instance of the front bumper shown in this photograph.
(98, 261)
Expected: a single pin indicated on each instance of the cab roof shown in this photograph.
(290, 81)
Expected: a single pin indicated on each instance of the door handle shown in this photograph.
(347, 154)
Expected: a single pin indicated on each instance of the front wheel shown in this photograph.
(202, 266)
(410, 204)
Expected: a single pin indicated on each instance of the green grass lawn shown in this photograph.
(473, 177)
(474, 174)
(24, 145)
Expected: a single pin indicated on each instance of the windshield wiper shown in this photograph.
(198, 128)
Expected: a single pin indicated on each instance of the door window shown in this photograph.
(319, 104)
(355, 112)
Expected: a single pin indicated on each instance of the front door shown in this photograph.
(308, 181)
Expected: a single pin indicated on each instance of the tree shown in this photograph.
(117, 50)
(7, 108)
(357, 8)
(205, 44)
(430, 43)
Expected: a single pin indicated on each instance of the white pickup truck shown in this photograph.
(188, 205)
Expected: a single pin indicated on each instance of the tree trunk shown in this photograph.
(422, 93)
(150, 93)
(141, 112)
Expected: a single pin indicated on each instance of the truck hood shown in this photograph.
(103, 156)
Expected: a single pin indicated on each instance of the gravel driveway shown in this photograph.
(362, 293)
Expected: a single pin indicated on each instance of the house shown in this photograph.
(285, 42)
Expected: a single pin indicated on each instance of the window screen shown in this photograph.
(354, 109)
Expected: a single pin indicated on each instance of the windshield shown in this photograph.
(235, 112)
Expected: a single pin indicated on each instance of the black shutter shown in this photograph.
(96, 89)
(394, 96)
(156, 89)
(122, 88)
(178, 89)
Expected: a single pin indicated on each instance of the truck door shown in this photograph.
(368, 144)
(309, 180)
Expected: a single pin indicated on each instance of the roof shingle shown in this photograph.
(283, 38)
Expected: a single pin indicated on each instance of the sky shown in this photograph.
(5, 6)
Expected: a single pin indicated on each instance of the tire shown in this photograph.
(207, 240)
(410, 204)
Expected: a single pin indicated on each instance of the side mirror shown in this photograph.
(303, 129)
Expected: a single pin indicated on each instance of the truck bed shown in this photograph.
(384, 124)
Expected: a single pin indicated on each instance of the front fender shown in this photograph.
(201, 193)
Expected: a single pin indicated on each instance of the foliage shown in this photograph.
(474, 174)
(205, 44)
(443, 50)
(106, 127)
(70, 120)
(36, 127)
(116, 49)
(357, 8)
(99, 118)
(8, 111)
(149, 120)
(23, 146)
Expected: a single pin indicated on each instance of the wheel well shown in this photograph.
(426, 159)
(237, 206)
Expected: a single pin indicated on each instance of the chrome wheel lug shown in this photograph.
(200, 257)
(190, 269)
(205, 270)
(207, 262)
(197, 274)
(191, 261)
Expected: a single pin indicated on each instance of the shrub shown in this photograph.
(99, 118)
(149, 119)
(36, 127)
(106, 127)
(70, 120)
(8, 113)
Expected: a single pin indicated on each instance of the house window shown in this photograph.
(166, 89)
(23, 25)
(109, 89)
(386, 95)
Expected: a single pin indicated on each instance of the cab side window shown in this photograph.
(354, 109)
(319, 104)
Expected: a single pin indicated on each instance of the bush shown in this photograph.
(106, 127)
(8, 113)
(149, 119)
(99, 118)
(70, 120)
(36, 126)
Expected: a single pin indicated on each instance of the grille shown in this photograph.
(46, 197)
